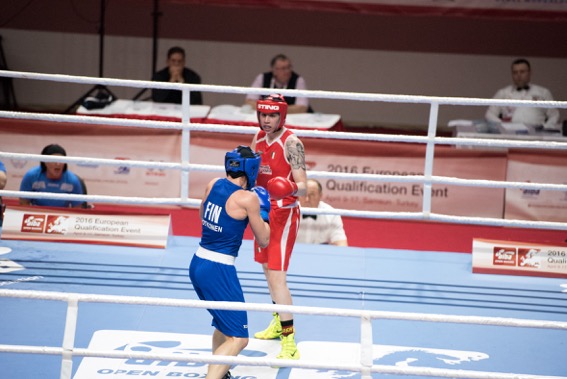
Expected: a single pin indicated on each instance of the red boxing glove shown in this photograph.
(280, 187)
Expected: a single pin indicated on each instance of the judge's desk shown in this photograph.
(220, 114)
(506, 130)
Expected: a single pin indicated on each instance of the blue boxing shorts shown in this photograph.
(214, 281)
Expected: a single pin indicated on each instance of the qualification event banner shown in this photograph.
(361, 157)
(322, 155)
(518, 258)
(54, 225)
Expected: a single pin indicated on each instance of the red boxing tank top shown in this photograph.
(274, 162)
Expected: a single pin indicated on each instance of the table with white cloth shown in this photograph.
(504, 130)
(246, 116)
(147, 110)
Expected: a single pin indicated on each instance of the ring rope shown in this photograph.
(299, 309)
(430, 140)
(364, 315)
(195, 203)
(304, 93)
(316, 174)
(247, 361)
(222, 128)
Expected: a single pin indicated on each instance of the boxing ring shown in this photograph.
(89, 311)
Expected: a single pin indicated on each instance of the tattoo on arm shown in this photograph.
(295, 154)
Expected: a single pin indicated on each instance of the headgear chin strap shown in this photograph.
(273, 104)
(244, 161)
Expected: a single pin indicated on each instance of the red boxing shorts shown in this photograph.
(284, 223)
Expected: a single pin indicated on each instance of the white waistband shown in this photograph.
(215, 257)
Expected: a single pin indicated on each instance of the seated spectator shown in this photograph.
(176, 72)
(522, 89)
(51, 177)
(282, 76)
(85, 204)
(319, 229)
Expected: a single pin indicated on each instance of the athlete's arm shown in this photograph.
(249, 203)
(296, 157)
(207, 191)
(260, 228)
(3, 179)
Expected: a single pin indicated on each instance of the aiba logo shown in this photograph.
(32, 223)
(155, 344)
(56, 224)
(530, 193)
(504, 256)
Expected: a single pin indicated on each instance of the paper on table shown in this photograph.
(312, 120)
(454, 123)
(514, 127)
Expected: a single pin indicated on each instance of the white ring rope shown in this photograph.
(222, 128)
(246, 361)
(306, 93)
(67, 350)
(306, 310)
(364, 315)
(427, 180)
(315, 174)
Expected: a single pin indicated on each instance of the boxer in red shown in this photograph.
(282, 173)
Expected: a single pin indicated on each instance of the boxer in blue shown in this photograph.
(228, 206)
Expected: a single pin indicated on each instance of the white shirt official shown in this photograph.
(548, 117)
(300, 85)
(325, 229)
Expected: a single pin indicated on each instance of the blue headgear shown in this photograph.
(243, 160)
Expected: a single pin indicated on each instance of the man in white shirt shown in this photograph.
(281, 76)
(319, 229)
(522, 89)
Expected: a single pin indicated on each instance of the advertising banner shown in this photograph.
(526, 5)
(401, 160)
(66, 225)
(98, 141)
(518, 258)
(520, 9)
(326, 155)
(364, 157)
(537, 205)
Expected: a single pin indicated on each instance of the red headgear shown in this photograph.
(272, 104)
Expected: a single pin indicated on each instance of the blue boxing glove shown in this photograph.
(264, 199)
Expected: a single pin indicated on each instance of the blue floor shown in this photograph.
(353, 278)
